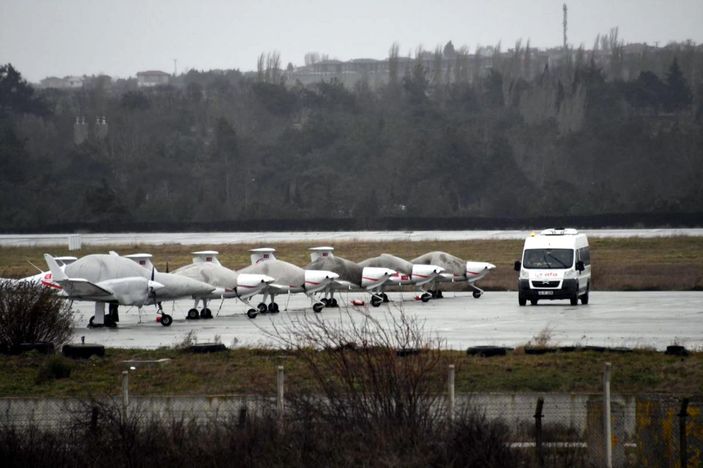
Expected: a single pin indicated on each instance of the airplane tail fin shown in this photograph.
(262, 255)
(205, 256)
(57, 273)
(317, 252)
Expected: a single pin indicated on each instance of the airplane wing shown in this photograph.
(77, 287)
(278, 288)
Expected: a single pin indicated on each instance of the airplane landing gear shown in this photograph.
(425, 297)
(206, 313)
(477, 293)
(331, 302)
(273, 308)
(252, 313)
(193, 314)
(263, 308)
(384, 297)
(166, 320)
(436, 293)
(317, 307)
(376, 300)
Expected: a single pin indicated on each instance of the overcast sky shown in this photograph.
(121, 37)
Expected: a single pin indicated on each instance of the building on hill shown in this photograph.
(151, 78)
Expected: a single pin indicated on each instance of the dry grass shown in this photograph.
(671, 263)
(253, 371)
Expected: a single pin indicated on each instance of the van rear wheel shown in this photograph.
(584, 298)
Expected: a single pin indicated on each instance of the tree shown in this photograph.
(679, 94)
(17, 96)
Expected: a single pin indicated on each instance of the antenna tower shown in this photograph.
(564, 23)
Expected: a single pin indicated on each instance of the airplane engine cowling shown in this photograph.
(426, 272)
(375, 276)
(475, 270)
(318, 279)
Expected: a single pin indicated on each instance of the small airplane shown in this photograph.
(352, 276)
(44, 278)
(114, 280)
(288, 279)
(456, 270)
(228, 283)
(408, 273)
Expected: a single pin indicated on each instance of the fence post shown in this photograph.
(607, 428)
(279, 395)
(683, 443)
(125, 391)
(538, 432)
(450, 390)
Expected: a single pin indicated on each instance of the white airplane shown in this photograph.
(227, 283)
(44, 278)
(352, 276)
(289, 279)
(456, 270)
(114, 280)
(417, 275)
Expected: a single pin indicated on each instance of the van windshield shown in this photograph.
(548, 258)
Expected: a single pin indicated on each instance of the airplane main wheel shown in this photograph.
(425, 297)
(252, 313)
(332, 303)
(376, 300)
(317, 307)
(263, 308)
(439, 294)
(206, 313)
(384, 297)
(193, 314)
(477, 293)
(166, 320)
(273, 308)
(325, 301)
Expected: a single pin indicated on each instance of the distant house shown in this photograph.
(150, 78)
(67, 82)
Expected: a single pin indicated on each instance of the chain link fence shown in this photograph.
(552, 429)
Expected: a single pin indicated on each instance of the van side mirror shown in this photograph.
(580, 266)
(518, 265)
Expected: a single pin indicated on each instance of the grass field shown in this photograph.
(670, 263)
(251, 371)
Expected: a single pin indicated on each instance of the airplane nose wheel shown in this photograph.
(376, 300)
(477, 294)
(166, 320)
(425, 297)
(384, 297)
(317, 307)
(252, 313)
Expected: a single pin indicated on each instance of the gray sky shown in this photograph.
(119, 38)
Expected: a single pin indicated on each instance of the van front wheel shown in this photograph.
(521, 300)
(574, 300)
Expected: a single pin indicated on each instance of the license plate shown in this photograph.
(545, 293)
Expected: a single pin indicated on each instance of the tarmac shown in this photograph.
(613, 319)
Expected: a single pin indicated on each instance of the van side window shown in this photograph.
(585, 255)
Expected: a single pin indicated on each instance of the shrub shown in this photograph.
(30, 313)
(56, 367)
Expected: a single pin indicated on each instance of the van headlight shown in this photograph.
(570, 274)
(524, 275)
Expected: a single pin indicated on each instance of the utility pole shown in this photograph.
(175, 67)
(564, 24)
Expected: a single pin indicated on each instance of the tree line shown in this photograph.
(581, 137)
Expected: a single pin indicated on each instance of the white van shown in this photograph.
(556, 264)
